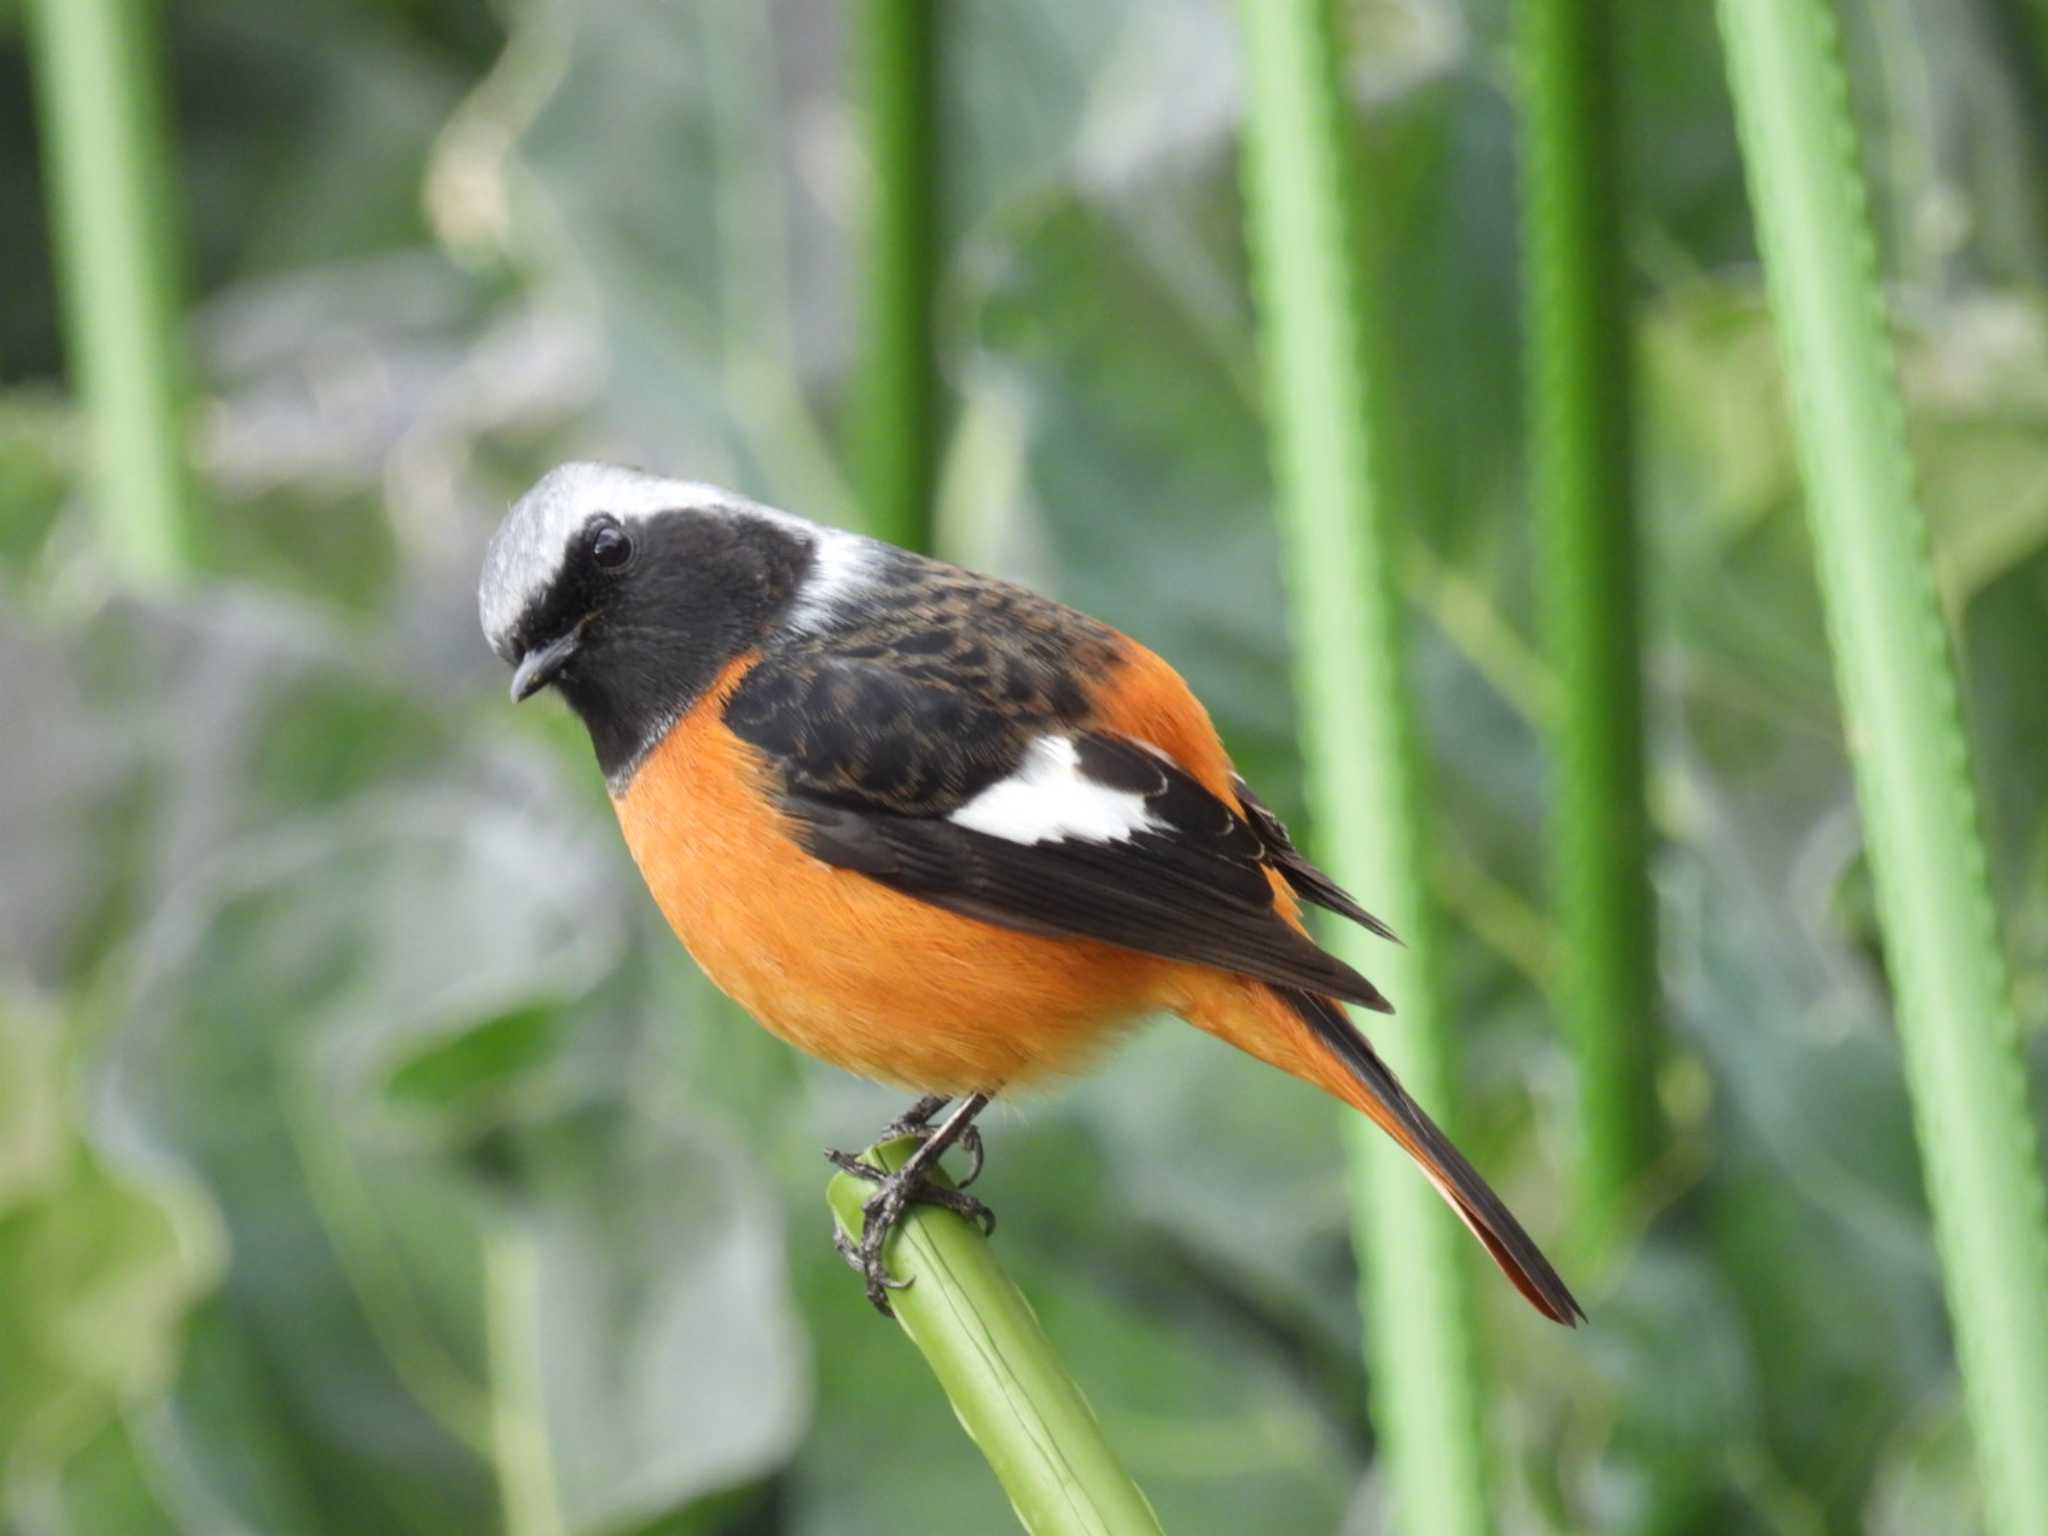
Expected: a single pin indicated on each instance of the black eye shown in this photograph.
(610, 548)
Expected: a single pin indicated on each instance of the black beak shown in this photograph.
(537, 668)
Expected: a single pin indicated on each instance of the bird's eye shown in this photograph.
(610, 548)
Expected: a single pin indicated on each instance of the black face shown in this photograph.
(643, 616)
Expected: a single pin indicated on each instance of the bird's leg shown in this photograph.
(913, 1121)
(915, 1118)
(908, 1185)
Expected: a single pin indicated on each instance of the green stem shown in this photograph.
(1580, 444)
(1012, 1395)
(520, 1454)
(1361, 742)
(896, 399)
(1898, 689)
(107, 158)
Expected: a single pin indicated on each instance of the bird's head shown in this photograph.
(628, 593)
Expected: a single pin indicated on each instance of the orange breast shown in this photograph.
(848, 970)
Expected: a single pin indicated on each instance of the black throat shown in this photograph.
(702, 588)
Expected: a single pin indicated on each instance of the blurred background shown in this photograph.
(371, 1157)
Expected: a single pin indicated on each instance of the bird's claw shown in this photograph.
(848, 1162)
(865, 1258)
(883, 1210)
(959, 1203)
(970, 1143)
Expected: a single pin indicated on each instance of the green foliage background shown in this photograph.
(372, 1160)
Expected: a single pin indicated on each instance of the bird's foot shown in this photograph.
(894, 1194)
(910, 1185)
(921, 1191)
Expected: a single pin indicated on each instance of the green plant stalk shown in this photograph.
(1317, 335)
(1013, 1397)
(1575, 296)
(1898, 688)
(520, 1454)
(105, 151)
(896, 394)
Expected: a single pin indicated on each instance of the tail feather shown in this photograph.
(1382, 1097)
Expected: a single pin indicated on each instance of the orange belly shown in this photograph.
(848, 970)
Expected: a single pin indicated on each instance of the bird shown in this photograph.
(930, 826)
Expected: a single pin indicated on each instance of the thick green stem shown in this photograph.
(1897, 682)
(1366, 793)
(896, 396)
(105, 150)
(520, 1454)
(1013, 1397)
(1580, 444)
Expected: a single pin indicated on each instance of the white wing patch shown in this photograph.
(1048, 799)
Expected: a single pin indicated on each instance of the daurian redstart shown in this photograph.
(929, 826)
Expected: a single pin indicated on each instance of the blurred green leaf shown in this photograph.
(476, 1064)
(97, 1271)
(33, 1133)
(423, 946)
(95, 1277)
(670, 1365)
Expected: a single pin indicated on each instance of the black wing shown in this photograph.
(1309, 883)
(873, 788)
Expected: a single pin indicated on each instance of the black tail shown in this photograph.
(1384, 1099)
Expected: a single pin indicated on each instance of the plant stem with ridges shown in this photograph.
(1580, 444)
(105, 151)
(1366, 794)
(1897, 681)
(1012, 1395)
(896, 396)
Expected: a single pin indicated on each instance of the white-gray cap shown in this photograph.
(526, 554)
